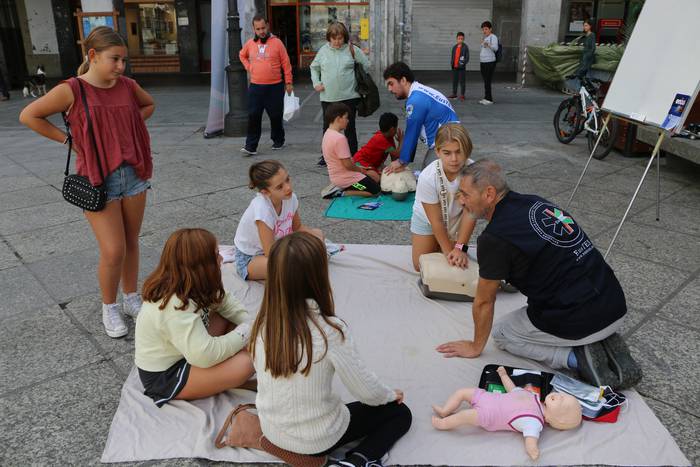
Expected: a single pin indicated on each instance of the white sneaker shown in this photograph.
(331, 191)
(113, 320)
(132, 304)
(485, 102)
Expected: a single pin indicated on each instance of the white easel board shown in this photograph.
(660, 61)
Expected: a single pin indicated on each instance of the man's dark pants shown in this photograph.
(270, 98)
(350, 132)
(459, 75)
(487, 70)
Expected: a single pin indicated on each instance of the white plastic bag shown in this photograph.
(291, 106)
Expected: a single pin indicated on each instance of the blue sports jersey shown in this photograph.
(426, 110)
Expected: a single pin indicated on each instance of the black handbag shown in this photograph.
(368, 91)
(77, 189)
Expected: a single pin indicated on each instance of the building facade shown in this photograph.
(174, 36)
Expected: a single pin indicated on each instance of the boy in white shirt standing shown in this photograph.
(487, 59)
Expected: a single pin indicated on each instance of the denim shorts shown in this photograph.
(420, 226)
(242, 260)
(124, 182)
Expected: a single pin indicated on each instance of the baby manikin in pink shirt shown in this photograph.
(516, 410)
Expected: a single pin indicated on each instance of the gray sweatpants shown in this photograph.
(516, 334)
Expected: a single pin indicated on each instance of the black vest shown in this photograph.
(571, 290)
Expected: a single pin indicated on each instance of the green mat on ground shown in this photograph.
(390, 210)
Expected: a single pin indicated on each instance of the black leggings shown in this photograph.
(487, 70)
(380, 427)
(366, 184)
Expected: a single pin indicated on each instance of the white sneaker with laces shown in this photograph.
(113, 321)
(487, 102)
(132, 304)
(331, 191)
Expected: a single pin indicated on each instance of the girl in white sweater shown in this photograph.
(297, 407)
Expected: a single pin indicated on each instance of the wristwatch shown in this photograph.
(461, 246)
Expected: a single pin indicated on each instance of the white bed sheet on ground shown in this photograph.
(396, 330)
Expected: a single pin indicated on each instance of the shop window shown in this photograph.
(155, 27)
(578, 12)
(314, 21)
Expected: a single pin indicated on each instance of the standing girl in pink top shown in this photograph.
(347, 179)
(118, 110)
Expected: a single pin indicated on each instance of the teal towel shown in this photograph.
(391, 210)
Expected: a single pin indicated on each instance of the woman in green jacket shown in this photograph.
(333, 75)
(588, 56)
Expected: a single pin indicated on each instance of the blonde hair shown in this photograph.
(99, 39)
(454, 132)
(297, 270)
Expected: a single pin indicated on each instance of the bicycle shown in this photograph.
(581, 112)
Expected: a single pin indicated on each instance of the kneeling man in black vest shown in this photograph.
(575, 304)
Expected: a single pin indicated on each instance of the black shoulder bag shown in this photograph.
(77, 189)
(368, 91)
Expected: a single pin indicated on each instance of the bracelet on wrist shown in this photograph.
(461, 247)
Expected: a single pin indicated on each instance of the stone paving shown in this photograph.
(61, 375)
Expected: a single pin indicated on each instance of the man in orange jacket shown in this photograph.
(265, 58)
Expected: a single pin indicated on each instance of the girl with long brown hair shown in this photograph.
(298, 344)
(190, 334)
(118, 108)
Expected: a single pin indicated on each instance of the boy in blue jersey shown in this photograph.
(426, 110)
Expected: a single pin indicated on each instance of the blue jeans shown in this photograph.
(242, 260)
(268, 98)
(124, 182)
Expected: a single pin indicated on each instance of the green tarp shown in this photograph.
(555, 61)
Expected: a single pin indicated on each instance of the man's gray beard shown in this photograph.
(477, 216)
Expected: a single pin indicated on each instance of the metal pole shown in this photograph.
(639, 186)
(600, 135)
(236, 120)
(658, 187)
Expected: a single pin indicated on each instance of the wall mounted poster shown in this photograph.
(91, 22)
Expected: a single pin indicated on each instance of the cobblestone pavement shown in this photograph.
(61, 375)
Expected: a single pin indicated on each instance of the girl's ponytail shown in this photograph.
(99, 39)
(84, 67)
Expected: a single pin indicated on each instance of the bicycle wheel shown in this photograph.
(607, 141)
(567, 120)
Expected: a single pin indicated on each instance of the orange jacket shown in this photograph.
(265, 62)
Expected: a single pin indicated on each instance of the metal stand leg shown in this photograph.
(600, 135)
(634, 196)
(658, 186)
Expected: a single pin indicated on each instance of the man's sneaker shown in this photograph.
(277, 146)
(452, 96)
(357, 459)
(113, 320)
(461, 98)
(485, 102)
(248, 152)
(132, 304)
(331, 191)
(620, 360)
(593, 365)
(321, 162)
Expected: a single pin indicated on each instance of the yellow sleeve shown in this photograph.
(232, 310)
(189, 336)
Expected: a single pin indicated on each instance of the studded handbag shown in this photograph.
(77, 189)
